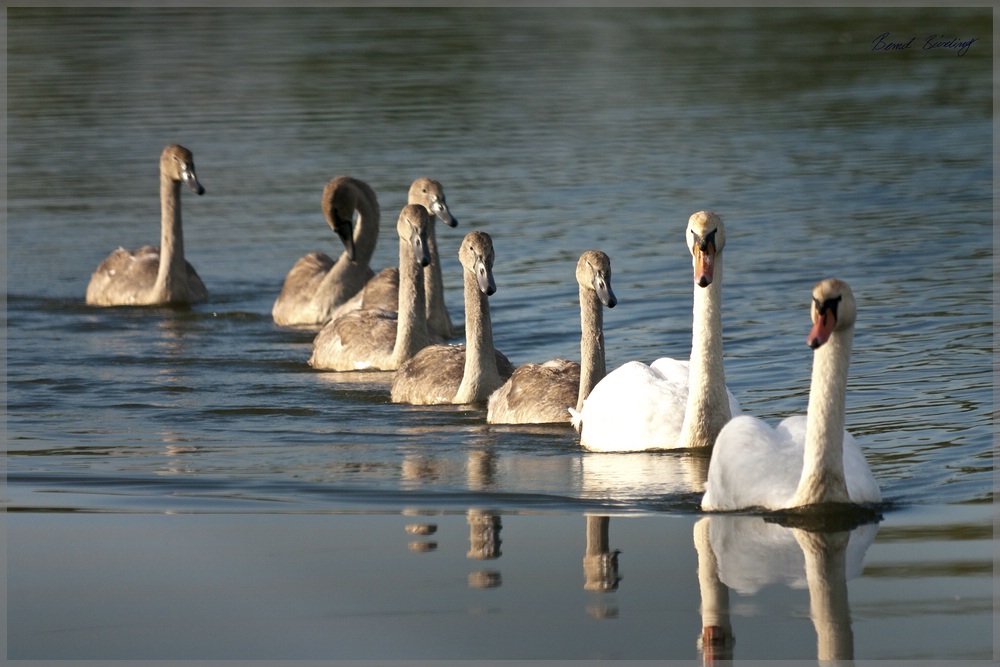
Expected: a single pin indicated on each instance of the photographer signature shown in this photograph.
(960, 46)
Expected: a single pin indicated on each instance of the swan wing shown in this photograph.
(430, 377)
(123, 276)
(861, 485)
(635, 407)
(360, 340)
(678, 372)
(199, 293)
(315, 285)
(753, 465)
(295, 302)
(536, 394)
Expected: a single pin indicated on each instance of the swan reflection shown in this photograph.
(600, 567)
(600, 563)
(484, 535)
(746, 553)
(641, 475)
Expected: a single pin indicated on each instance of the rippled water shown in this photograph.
(554, 131)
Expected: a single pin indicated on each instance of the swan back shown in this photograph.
(317, 284)
(378, 339)
(549, 392)
(155, 275)
(460, 374)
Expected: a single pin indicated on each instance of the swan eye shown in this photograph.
(827, 305)
(703, 243)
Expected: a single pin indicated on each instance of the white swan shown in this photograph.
(460, 374)
(670, 404)
(806, 460)
(316, 284)
(382, 291)
(379, 339)
(155, 275)
(545, 393)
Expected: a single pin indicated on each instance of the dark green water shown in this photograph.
(192, 458)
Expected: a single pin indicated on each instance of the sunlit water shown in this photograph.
(191, 458)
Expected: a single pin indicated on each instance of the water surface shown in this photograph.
(192, 458)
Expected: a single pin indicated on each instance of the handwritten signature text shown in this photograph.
(961, 46)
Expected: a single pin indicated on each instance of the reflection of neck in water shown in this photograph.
(746, 553)
(600, 568)
(484, 544)
(600, 563)
(716, 642)
(826, 573)
(484, 535)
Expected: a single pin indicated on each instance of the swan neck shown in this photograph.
(411, 325)
(708, 402)
(481, 377)
(592, 359)
(823, 478)
(172, 274)
(437, 313)
(366, 230)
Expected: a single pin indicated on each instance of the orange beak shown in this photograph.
(704, 265)
(821, 330)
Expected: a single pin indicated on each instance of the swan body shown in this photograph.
(380, 292)
(808, 460)
(317, 284)
(670, 404)
(155, 275)
(379, 339)
(545, 393)
(460, 374)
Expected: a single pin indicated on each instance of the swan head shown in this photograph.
(339, 203)
(593, 271)
(178, 163)
(833, 309)
(412, 228)
(476, 256)
(706, 237)
(430, 194)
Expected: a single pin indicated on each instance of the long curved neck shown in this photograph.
(480, 378)
(437, 314)
(366, 229)
(411, 325)
(708, 403)
(365, 238)
(822, 478)
(171, 279)
(592, 367)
